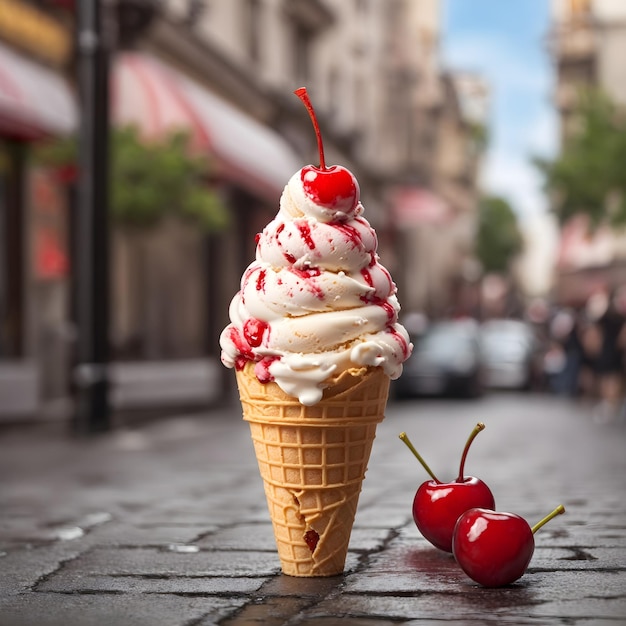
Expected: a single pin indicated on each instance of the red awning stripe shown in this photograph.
(143, 97)
(413, 206)
(580, 247)
(158, 98)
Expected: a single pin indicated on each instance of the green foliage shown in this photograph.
(479, 136)
(498, 239)
(152, 179)
(56, 153)
(589, 176)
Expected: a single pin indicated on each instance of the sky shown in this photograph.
(505, 42)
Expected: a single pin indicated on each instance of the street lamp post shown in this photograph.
(91, 380)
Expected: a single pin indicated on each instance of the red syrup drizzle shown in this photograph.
(401, 340)
(307, 276)
(390, 282)
(388, 308)
(350, 233)
(262, 369)
(288, 256)
(253, 333)
(260, 281)
(367, 276)
(242, 346)
(305, 232)
(376, 300)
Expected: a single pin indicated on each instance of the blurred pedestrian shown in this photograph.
(564, 357)
(605, 349)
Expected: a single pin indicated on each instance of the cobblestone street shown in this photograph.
(165, 523)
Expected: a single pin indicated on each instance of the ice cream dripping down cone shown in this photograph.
(313, 461)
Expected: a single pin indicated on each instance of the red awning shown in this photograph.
(157, 98)
(35, 102)
(413, 206)
(579, 247)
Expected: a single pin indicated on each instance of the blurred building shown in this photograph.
(588, 44)
(225, 71)
(36, 103)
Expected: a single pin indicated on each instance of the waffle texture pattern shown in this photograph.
(313, 461)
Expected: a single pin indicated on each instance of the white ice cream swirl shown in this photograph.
(315, 301)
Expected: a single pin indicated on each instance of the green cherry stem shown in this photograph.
(559, 509)
(404, 437)
(301, 92)
(480, 426)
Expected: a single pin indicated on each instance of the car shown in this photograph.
(446, 361)
(510, 352)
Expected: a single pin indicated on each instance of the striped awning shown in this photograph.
(414, 206)
(157, 98)
(35, 102)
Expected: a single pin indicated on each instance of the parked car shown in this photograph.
(511, 354)
(446, 361)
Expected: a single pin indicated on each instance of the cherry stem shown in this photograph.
(403, 436)
(480, 426)
(559, 509)
(304, 96)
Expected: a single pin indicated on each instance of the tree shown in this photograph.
(588, 177)
(152, 179)
(498, 239)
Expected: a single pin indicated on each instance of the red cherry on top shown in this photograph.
(494, 548)
(332, 187)
(438, 505)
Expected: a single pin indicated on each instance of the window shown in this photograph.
(334, 80)
(252, 29)
(307, 19)
(302, 44)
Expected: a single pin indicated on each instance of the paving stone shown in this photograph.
(124, 534)
(154, 561)
(22, 568)
(45, 609)
(303, 587)
(273, 612)
(80, 582)
(241, 537)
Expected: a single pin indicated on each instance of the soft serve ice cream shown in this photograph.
(316, 301)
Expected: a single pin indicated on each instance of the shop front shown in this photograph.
(36, 104)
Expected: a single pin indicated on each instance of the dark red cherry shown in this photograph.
(438, 505)
(332, 187)
(494, 548)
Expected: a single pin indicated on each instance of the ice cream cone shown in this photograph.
(313, 460)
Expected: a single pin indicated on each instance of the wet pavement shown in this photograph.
(165, 523)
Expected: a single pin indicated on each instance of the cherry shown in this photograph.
(494, 548)
(332, 187)
(437, 505)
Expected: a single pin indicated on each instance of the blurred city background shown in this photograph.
(144, 143)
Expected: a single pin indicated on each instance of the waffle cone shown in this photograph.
(313, 461)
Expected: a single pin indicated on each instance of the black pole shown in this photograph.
(91, 273)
